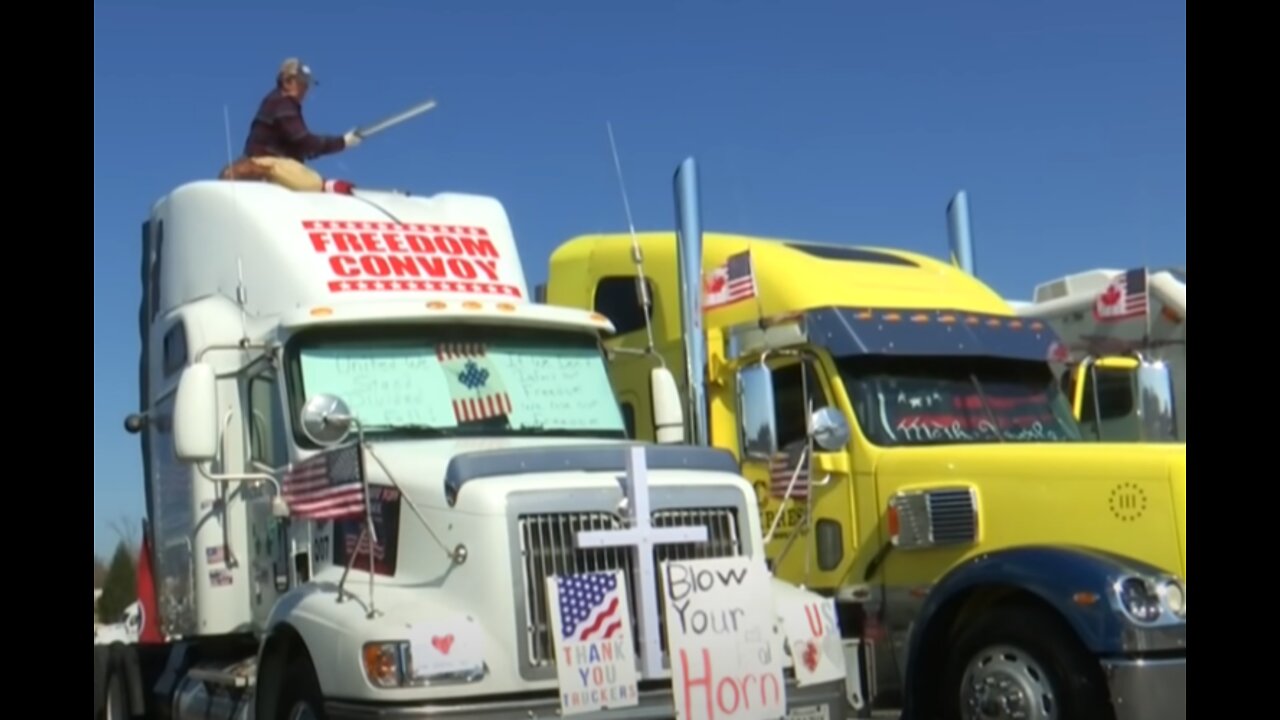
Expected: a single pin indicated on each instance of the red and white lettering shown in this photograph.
(726, 693)
(366, 255)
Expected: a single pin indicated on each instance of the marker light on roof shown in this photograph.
(321, 312)
(506, 307)
(471, 305)
(436, 305)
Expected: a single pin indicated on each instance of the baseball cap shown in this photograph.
(293, 66)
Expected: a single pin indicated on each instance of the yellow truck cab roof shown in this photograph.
(858, 299)
(832, 275)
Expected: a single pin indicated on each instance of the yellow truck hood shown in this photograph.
(1125, 498)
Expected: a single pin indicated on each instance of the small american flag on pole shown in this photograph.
(781, 467)
(327, 486)
(1125, 297)
(733, 281)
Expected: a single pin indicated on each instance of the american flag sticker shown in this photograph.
(733, 281)
(474, 383)
(215, 555)
(594, 647)
(785, 464)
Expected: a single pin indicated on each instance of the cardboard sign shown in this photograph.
(725, 648)
(447, 646)
(813, 634)
(594, 647)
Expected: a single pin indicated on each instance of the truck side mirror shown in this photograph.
(195, 415)
(830, 429)
(756, 408)
(668, 415)
(1155, 396)
(325, 419)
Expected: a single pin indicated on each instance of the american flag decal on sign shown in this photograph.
(781, 467)
(327, 486)
(590, 606)
(1124, 298)
(733, 281)
(351, 547)
(474, 384)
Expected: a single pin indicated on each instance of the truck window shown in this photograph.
(1115, 394)
(617, 298)
(628, 418)
(268, 444)
(459, 380)
(789, 401)
(945, 400)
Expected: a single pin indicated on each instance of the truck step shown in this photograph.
(239, 675)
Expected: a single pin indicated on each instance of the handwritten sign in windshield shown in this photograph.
(443, 385)
(382, 386)
(558, 388)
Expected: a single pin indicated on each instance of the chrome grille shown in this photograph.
(547, 548)
(952, 516)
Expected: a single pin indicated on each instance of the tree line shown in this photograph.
(118, 579)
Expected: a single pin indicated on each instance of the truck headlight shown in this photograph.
(1174, 594)
(1146, 600)
(1139, 599)
(389, 664)
(384, 663)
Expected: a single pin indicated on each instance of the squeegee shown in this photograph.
(396, 119)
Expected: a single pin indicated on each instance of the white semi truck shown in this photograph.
(1115, 325)
(382, 343)
(1123, 352)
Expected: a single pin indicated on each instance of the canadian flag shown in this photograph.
(149, 632)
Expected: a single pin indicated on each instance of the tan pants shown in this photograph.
(281, 171)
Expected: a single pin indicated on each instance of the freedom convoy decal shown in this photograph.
(371, 255)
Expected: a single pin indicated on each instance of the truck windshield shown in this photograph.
(952, 400)
(448, 381)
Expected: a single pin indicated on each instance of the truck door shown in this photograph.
(617, 298)
(268, 451)
(809, 524)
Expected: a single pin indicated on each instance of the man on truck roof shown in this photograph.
(279, 141)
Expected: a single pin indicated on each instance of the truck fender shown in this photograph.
(1053, 575)
(312, 617)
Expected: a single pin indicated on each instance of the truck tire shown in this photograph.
(300, 697)
(101, 672)
(116, 704)
(1022, 661)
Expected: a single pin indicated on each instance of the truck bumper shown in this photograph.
(816, 702)
(1143, 689)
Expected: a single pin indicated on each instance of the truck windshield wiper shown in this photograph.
(416, 429)
(986, 407)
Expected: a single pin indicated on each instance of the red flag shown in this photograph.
(150, 625)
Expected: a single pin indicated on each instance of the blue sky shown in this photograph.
(850, 122)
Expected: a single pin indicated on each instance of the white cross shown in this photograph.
(643, 539)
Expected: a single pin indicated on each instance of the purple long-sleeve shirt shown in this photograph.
(278, 130)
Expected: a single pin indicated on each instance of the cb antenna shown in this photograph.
(637, 257)
(241, 291)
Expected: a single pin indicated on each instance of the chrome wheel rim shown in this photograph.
(1006, 683)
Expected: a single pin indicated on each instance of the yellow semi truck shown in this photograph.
(914, 457)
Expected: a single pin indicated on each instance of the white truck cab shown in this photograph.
(280, 330)
(1124, 353)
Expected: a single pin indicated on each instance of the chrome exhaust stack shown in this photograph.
(689, 267)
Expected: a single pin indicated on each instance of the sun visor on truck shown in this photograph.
(851, 332)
